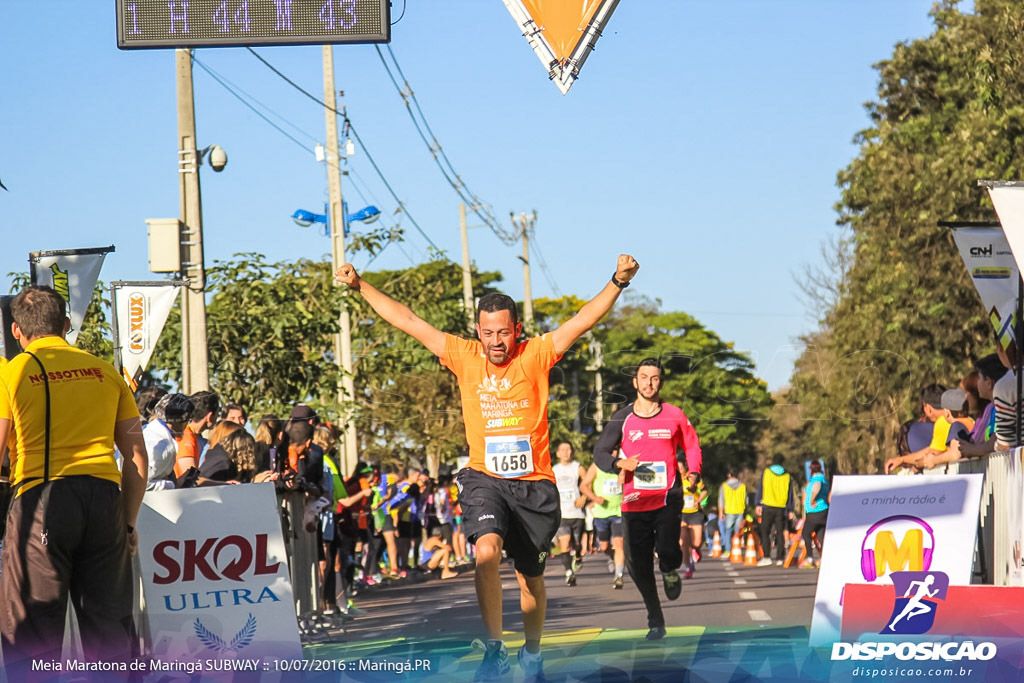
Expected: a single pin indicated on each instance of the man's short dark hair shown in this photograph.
(932, 395)
(649, 363)
(778, 459)
(204, 402)
(39, 311)
(991, 367)
(299, 432)
(496, 301)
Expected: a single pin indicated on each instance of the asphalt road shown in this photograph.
(719, 595)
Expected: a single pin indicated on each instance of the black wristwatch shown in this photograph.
(619, 283)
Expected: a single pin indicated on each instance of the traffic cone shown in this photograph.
(716, 546)
(736, 553)
(750, 559)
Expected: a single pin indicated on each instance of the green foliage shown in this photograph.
(712, 383)
(950, 111)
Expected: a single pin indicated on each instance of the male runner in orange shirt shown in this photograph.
(508, 494)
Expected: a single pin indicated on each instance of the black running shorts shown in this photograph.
(524, 513)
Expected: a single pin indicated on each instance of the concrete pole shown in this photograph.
(195, 362)
(343, 340)
(468, 303)
(526, 224)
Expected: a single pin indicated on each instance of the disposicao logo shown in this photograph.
(917, 600)
(918, 596)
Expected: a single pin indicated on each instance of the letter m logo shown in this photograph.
(908, 555)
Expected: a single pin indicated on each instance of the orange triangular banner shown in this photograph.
(562, 32)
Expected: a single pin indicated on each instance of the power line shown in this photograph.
(544, 265)
(223, 83)
(355, 134)
(475, 204)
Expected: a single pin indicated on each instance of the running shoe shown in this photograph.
(779, 563)
(570, 578)
(577, 562)
(764, 562)
(808, 564)
(495, 663)
(618, 583)
(657, 632)
(688, 574)
(532, 665)
(673, 587)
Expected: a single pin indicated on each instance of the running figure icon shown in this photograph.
(916, 605)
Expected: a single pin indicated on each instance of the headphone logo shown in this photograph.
(917, 600)
(895, 544)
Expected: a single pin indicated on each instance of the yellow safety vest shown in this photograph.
(774, 489)
(735, 499)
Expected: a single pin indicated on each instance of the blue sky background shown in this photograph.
(703, 138)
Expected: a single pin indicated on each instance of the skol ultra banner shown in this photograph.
(73, 273)
(215, 579)
(993, 269)
(562, 34)
(140, 311)
(878, 525)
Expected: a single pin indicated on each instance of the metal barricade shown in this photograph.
(1000, 514)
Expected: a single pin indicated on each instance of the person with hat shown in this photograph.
(947, 411)
(71, 525)
(170, 418)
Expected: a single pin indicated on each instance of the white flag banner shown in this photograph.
(215, 580)
(993, 269)
(140, 311)
(73, 273)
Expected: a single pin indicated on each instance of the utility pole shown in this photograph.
(195, 373)
(596, 364)
(467, 275)
(335, 217)
(525, 228)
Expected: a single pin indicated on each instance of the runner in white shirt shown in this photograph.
(568, 475)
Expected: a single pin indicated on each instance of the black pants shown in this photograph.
(643, 533)
(372, 554)
(67, 537)
(773, 518)
(814, 524)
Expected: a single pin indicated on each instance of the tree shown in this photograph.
(950, 111)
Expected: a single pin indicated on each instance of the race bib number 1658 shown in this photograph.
(510, 457)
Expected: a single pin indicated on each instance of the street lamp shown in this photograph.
(367, 214)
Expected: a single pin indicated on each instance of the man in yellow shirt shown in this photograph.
(71, 527)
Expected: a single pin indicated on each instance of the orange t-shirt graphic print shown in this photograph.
(505, 407)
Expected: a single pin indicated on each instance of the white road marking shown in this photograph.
(740, 582)
(748, 595)
(758, 615)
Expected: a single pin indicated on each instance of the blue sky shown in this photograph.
(703, 138)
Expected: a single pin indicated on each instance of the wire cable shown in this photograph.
(475, 204)
(355, 134)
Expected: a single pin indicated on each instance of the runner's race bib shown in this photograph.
(569, 496)
(612, 487)
(651, 476)
(689, 501)
(509, 457)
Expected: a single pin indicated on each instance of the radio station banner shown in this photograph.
(993, 269)
(73, 273)
(215, 576)
(879, 524)
(140, 311)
